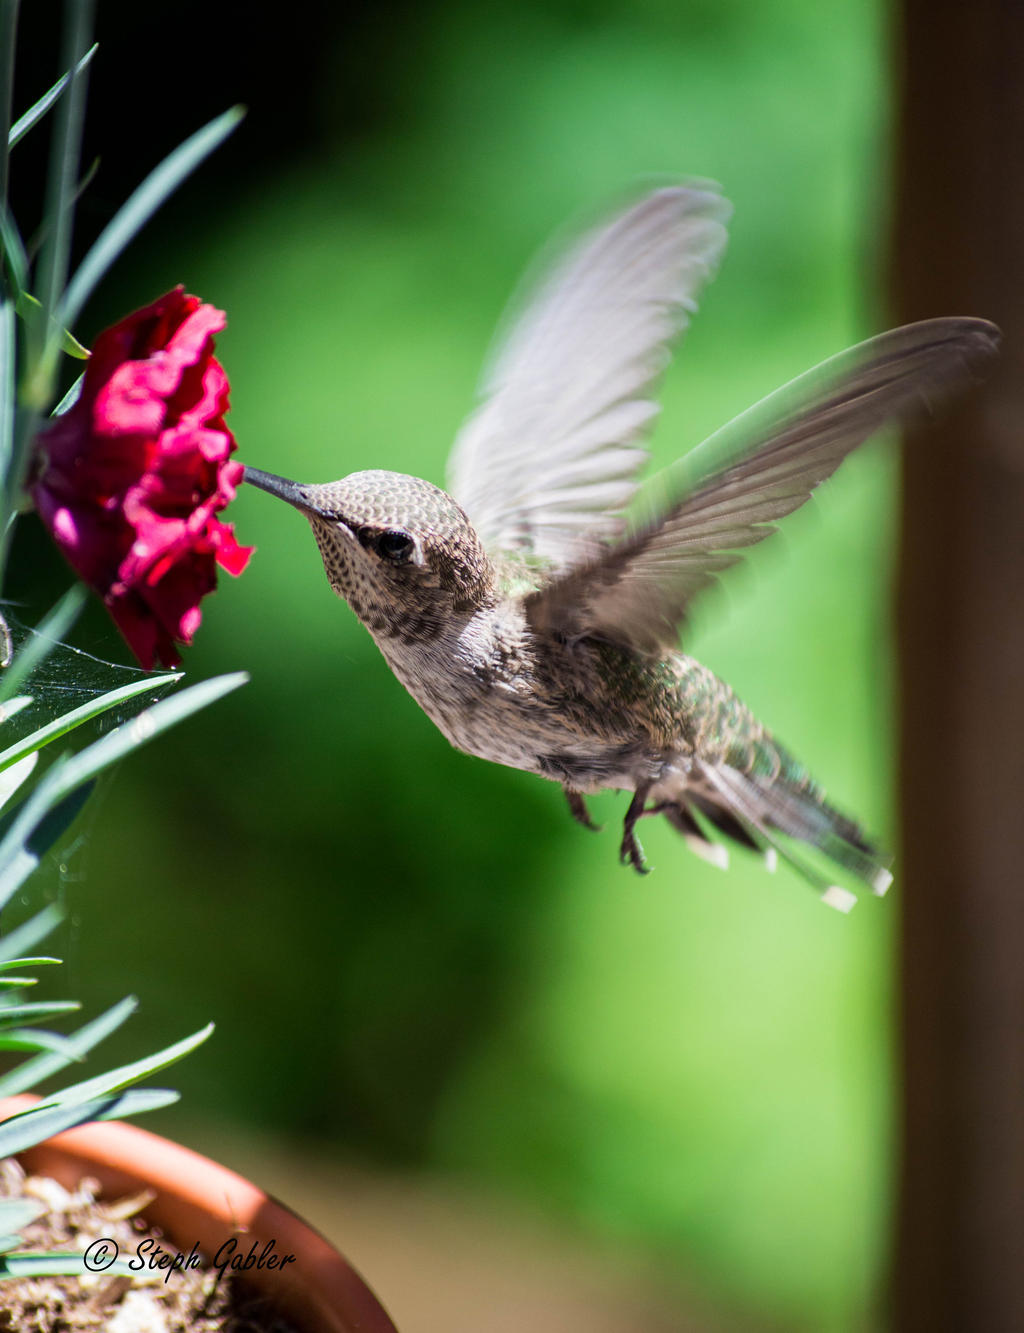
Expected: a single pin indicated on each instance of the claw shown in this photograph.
(630, 851)
(578, 809)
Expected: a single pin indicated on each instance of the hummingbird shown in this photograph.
(534, 608)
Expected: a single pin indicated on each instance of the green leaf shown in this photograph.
(50, 630)
(33, 1039)
(34, 1010)
(18, 1213)
(69, 399)
(12, 706)
(137, 1101)
(32, 831)
(28, 934)
(32, 1072)
(105, 1085)
(65, 149)
(8, 35)
(140, 207)
(28, 307)
(10, 983)
(8, 349)
(130, 735)
(22, 847)
(12, 778)
(13, 248)
(149, 723)
(56, 1264)
(36, 112)
(62, 725)
(30, 1127)
(25, 962)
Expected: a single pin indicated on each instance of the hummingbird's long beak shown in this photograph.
(291, 491)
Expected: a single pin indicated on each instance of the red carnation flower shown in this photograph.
(129, 481)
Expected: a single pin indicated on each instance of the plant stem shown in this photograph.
(60, 196)
(8, 32)
(36, 381)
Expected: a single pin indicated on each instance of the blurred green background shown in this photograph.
(412, 957)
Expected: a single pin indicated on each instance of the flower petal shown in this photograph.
(130, 480)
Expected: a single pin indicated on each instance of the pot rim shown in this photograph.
(198, 1201)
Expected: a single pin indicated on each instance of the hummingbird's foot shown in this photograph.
(579, 811)
(630, 851)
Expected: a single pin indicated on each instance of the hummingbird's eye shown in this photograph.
(395, 546)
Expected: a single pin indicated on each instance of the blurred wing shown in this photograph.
(764, 464)
(554, 450)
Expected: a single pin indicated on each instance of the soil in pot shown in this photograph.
(160, 1298)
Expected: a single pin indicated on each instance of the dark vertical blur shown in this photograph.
(959, 249)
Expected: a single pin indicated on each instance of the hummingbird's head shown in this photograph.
(400, 551)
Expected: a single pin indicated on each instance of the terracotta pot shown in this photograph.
(198, 1201)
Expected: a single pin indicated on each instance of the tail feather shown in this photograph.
(726, 823)
(754, 809)
(801, 812)
(683, 822)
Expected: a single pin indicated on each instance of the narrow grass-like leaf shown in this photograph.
(50, 630)
(68, 773)
(11, 983)
(32, 1072)
(18, 1213)
(12, 777)
(62, 725)
(69, 399)
(34, 1039)
(16, 260)
(57, 1264)
(32, 832)
(65, 149)
(36, 112)
(13, 248)
(106, 1085)
(149, 723)
(42, 1122)
(13, 706)
(17, 827)
(140, 207)
(26, 425)
(34, 1011)
(29, 308)
(136, 1101)
(24, 962)
(8, 340)
(8, 33)
(26, 936)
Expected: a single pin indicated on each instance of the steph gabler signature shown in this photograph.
(231, 1257)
